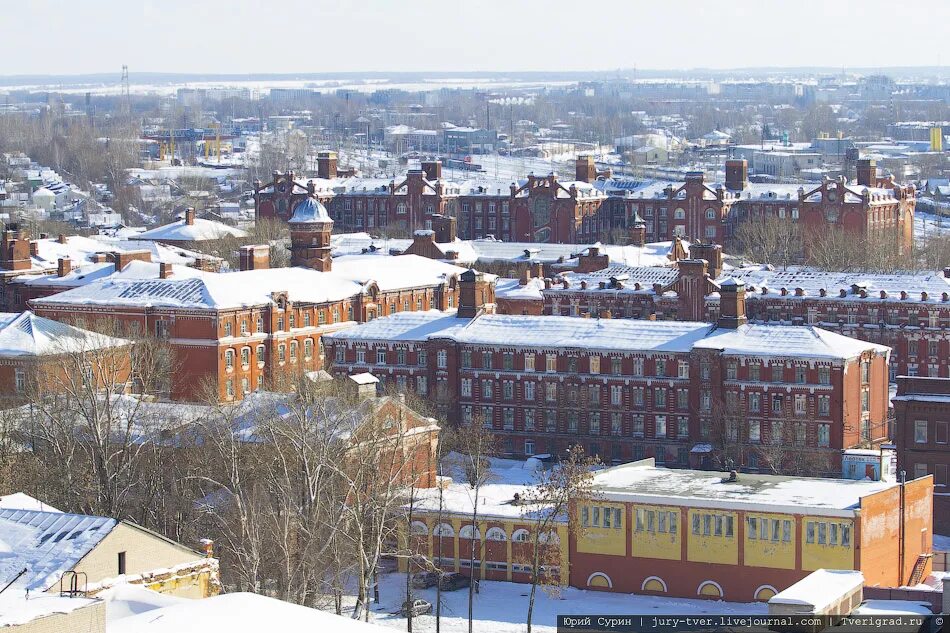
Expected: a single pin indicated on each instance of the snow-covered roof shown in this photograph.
(643, 482)
(349, 278)
(18, 607)
(812, 282)
(819, 589)
(310, 210)
(23, 501)
(46, 543)
(201, 230)
(239, 613)
(91, 272)
(610, 335)
(26, 334)
(812, 342)
(512, 289)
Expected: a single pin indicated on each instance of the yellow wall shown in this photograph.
(769, 553)
(817, 556)
(601, 540)
(457, 521)
(656, 544)
(712, 549)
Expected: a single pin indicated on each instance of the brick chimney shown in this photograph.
(63, 266)
(122, 259)
(867, 172)
(592, 260)
(737, 174)
(732, 304)
(585, 169)
(16, 251)
(164, 270)
(476, 294)
(537, 270)
(691, 289)
(34, 248)
(432, 169)
(255, 257)
(712, 253)
(61, 239)
(190, 216)
(446, 228)
(525, 277)
(326, 165)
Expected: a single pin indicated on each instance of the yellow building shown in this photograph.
(503, 539)
(699, 533)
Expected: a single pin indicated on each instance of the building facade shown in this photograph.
(686, 393)
(921, 417)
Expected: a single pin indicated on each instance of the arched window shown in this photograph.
(496, 534)
(261, 354)
(654, 583)
(245, 357)
(710, 589)
(710, 214)
(599, 580)
(293, 351)
(764, 593)
(308, 349)
(521, 536)
(227, 329)
(401, 208)
(467, 532)
(443, 529)
(229, 359)
(418, 528)
(679, 214)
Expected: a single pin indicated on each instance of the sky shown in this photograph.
(318, 36)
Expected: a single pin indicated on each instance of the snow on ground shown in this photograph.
(501, 607)
(928, 224)
(892, 607)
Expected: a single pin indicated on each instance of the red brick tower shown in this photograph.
(310, 229)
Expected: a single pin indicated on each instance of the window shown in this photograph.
(778, 373)
(755, 402)
(529, 447)
(229, 359)
(422, 385)
(594, 423)
(753, 372)
(550, 392)
(466, 358)
(245, 357)
(20, 379)
(660, 365)
(466, 387)
(486, 360)
(508, 389)
(529, 391)
(660, 426)
(293, 351)
(755, 431)
(637, 367)
(401, 357)
(682, 399)
(281, 352)
(308, 349)
(824, 435)
(227, 328)
(229, 387)
(865, 371)
(441, 359)
(731, 370)
(550, 363)
(595, 364)
(824, 405)
(529, 362)
(800, 374)
(162, 329)
(637, 426)
(801, 404)
(422, 358)
(487, 385)
(920, 431)
(292, 320)
(616, 366)
(121, 563)
(659, 397)
(280, 324)
(380, 357)
(920, 470)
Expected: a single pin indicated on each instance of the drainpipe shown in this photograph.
(900, 539)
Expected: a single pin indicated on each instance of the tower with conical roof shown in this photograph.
(310, 229)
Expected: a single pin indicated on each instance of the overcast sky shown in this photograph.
(297, 36)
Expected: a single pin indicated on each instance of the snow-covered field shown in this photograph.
(501, 607)
(927, 224)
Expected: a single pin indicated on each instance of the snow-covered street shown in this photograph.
(501, 607)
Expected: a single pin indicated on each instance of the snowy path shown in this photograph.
(501, 607)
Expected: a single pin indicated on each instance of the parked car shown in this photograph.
(417, 607)
(425, 579)
(455, 580)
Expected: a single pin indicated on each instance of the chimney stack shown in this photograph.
(255, 257)
(476, 294)
(712, 253)
(585, 170)
(164, 270)
(867, 172)
(432, 169)
(326, 165)
(737, 174)
(34, 248)
(525, 277)
(190, 216)
(63, 266)
(732, 304)
(61, 239)
(445, 227)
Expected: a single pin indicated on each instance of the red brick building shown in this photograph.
(921, 419)
(682, 392)
(908, 312)
(237, 332)
(534, 209)
(699, 210)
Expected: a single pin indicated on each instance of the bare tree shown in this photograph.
(548, 504)
(770, 240)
